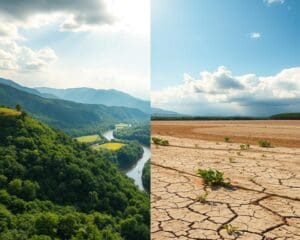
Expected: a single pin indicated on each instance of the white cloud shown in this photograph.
(255, 35)
(224, 89)
(125, 21)
(270, 2)
(24, 59)
(131, 16)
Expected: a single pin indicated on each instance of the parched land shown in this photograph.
(263, 201)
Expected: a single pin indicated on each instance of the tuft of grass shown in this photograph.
(113, 146)
(244, 146)
(227, 139)
(213, 177)
(231, 230)
(264, 143)
(202, 198)
(160, 141)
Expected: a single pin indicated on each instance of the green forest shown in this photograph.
(140, 132)
(54, 187)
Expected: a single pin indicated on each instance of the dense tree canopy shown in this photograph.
(53, 187)
(139, 133)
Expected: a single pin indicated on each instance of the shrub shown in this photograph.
(244, 146)
(160, 141)
(264, 143)
(226, 139)
(213, 177)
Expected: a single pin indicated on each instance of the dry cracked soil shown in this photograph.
(263, 201)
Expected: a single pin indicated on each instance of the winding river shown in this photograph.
(135, 172)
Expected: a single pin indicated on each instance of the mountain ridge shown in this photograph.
(74, 118)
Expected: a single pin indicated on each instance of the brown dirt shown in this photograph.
(262, 203)
(284, 133)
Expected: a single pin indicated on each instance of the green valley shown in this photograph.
(75, 118)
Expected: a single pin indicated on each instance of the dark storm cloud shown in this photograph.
(84, 12)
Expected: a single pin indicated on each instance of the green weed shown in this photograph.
(264, 143)
(160, 141)
(213, 177)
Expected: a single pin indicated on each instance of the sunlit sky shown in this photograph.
(230, 57)
(101, 44)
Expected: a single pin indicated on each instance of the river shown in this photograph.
(135, 172)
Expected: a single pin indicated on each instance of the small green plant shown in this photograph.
(160, 141)
(244, 146)
(264, 143)
(226, 139)
(213, 177)
(202, 198)
(239, 153)
(231, 230)
(231, 160)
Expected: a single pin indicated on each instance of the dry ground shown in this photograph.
(264, 201)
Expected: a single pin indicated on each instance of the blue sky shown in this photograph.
(84, 43)
(246, 37)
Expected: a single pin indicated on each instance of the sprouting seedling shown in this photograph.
(202, 198)
(231, 230)
(226, 139)
(213, 177)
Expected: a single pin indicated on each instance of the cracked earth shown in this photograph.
(262, 203)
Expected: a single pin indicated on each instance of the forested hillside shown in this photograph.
(74, 118)
(139, 133)
(53, 187)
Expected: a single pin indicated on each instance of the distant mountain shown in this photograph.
(24, 89)
(162, 112)
(98, 96)
(75, 118)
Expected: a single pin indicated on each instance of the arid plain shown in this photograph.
(263, 199)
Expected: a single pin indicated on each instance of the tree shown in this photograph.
(18, 108)
(46, 224)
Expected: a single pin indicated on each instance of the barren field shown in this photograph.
(280, 132)
(263, 199)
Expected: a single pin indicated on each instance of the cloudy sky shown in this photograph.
(230, 57)
(77, 43)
